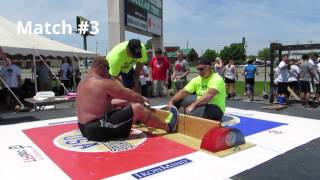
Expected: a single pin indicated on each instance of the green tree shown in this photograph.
(148, 44)
(235, 51)
(210, 54)
(264, 54)
(252, 57)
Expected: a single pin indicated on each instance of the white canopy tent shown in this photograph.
(13, 43)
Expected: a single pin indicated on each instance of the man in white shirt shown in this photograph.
(293, 80)
(283, 76)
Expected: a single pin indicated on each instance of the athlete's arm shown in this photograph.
(117, 90)
(179, 95)
(203, 99)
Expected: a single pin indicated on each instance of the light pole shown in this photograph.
(97, 47)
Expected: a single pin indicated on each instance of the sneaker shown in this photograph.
(172, 119)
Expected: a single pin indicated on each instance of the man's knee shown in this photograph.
(137, 108)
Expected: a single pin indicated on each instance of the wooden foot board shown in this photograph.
(190, 125)
(276, 107)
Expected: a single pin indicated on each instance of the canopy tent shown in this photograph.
(32, 45)
(24, 44)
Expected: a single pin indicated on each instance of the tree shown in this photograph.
(252, 57)
(264, 54)
(148, 44)
(210, 54)
(235, 51)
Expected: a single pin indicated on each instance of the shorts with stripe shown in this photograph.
(114, 125)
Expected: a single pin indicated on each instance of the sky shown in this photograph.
(202, 24)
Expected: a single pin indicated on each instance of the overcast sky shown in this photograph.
(206, 24)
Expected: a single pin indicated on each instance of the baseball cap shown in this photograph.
(134, 47)
(204, 61)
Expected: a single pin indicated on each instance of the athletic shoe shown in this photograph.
(172, 119)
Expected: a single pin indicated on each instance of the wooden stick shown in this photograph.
(292, 93)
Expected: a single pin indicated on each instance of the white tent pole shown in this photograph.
(74, 75)
(75, 56)
(52, 72)
(35, 74)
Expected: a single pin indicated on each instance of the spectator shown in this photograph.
(293, 80)
(70, 74)
(318, 85)
(44, 77)
(159, 67)
(306, 75)
(145, 81)
(64, 73)
(230, 76)
(275, 81)
(315, 83)
(180, 71)
(249, 71)
(218, 66)
(283, 79)
(11, 74)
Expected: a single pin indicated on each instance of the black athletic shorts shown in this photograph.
(116, 124)
(250, 81)
(229, 81)
(305, 86)
(317, 88)
(283, 88)
(209, 111)
(294, 85)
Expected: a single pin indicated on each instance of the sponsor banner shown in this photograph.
(137, 23)
(200, 167)
(22, 159)
(158, 169)
(136, 12)
(157, 3)
(144, 15)
(154, 24)
(27, 154)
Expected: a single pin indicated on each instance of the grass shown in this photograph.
(258, 88)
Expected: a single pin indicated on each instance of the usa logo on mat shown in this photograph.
(74, 141)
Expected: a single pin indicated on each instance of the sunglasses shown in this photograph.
(201, 69)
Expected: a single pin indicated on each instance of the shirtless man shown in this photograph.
(103, 107)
